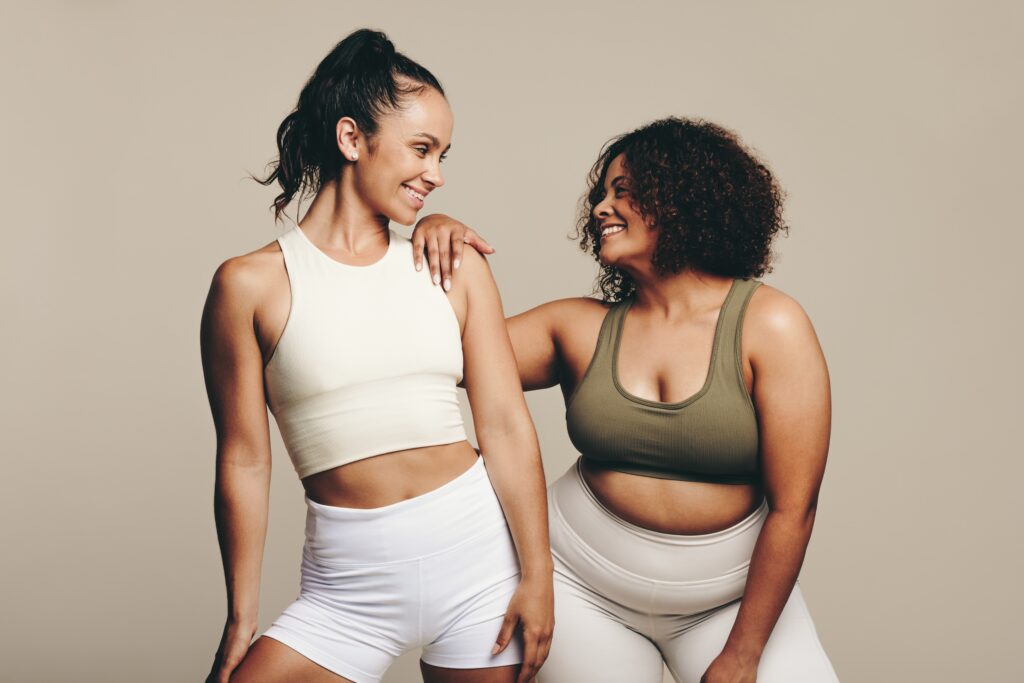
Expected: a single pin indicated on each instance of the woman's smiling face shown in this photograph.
(626, 238)
(401, 164)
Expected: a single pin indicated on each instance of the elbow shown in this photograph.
(240, 468)
(797, 516)
(514, 434)
(242, 453)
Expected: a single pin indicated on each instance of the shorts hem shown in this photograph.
(319, 657)
(472, 661)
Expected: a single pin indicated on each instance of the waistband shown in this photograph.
(441, 519)
(644, 552)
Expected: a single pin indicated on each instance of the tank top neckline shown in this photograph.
(348, 266)
(673, 405)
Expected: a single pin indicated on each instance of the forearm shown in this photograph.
(774, 567)
(241, 504)
(512, 456)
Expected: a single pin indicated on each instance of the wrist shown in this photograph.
(243, 614)
(244, 622)
(746, 653)
(541, 572)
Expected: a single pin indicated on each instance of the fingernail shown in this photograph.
(437, 279)
(457, 262)
(494, 650)
(419, 266)
(447, 284)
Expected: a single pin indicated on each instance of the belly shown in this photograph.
(671, 506)
(391, 477)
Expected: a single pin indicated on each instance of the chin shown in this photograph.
(609, 257)
(403, 217)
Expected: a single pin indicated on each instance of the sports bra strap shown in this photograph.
(728, 362)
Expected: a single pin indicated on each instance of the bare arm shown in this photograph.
(442, 238)
(791, 392)
(233, 368)
(512, 454)
(533, 341)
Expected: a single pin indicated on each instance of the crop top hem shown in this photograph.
(640, 471)
(317, 468)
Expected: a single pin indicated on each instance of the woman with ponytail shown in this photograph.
(413, 539)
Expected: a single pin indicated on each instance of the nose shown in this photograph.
(434, 175)
(603, 208)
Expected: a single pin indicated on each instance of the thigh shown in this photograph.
(269, 661)
(465, 594)
(793, 653)
(347, 639)
(594, 644)
(496, 674)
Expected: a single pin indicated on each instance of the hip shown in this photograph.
(596, 550)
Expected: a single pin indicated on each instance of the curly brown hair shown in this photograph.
(716, 207)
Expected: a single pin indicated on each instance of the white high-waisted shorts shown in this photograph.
(436, 571)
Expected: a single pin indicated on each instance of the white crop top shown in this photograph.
(368, 360)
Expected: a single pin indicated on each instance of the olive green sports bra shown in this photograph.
(711, 436)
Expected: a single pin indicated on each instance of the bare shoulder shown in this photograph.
(474, 267)
(473, 281)
(242, 280)
(775, 319)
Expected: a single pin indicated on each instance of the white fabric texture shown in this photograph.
(369, 359)
(436, 571)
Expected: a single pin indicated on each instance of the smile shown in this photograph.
(612, 229)
(413, 193)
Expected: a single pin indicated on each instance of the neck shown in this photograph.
(679, 295)
(340, 219)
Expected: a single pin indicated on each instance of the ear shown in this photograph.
(349, 138)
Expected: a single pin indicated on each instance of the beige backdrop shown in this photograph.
(128, 129)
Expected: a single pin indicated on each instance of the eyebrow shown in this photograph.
(433, 140)
(617, 179)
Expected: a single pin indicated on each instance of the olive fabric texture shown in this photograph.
(711, 436)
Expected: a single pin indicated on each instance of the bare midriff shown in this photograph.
(390, 477)
(672, 506)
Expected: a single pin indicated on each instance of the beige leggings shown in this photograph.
(628, 599)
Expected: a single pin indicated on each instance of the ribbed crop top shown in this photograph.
(711, 436)
(368, 361)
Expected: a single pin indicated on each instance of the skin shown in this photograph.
(245, 315)
(784, 372)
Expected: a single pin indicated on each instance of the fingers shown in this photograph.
(545, 650)
(457, 247)
(233, 652)
(433, 260)
(508, 625)
(477, 242)
(444, 255)
(227, 667)
(530, 650)
(536, 646)
(418, 244)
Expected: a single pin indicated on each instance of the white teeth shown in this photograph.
(611, 229)
(413, 193)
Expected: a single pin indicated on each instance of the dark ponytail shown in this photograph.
(362, 77)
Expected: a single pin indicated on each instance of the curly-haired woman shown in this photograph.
(699, 400)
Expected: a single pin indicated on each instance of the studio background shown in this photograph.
(129, 128)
